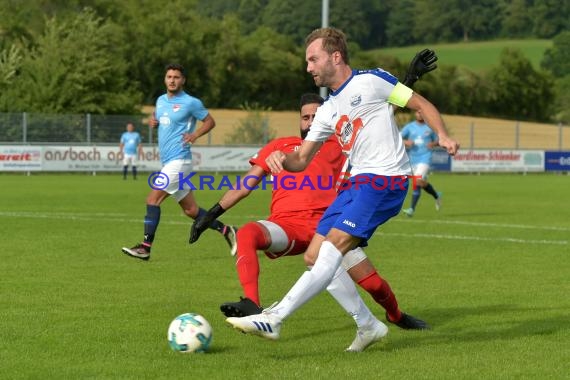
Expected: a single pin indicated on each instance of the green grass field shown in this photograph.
(490, 273)
(477, 56)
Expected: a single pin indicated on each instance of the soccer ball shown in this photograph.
(189, 332)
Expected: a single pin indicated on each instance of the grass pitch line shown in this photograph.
(116, 217)
(484, 224)
(121, 217)
(473, 238)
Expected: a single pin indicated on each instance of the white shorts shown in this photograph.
(175, 170)
(421, 170)
(130, 159)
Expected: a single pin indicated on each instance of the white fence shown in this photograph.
(107, 158)
(56, 158)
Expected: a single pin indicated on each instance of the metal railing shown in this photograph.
(33, 128)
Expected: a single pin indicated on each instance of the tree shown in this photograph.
(452, 20)
(218, 8)
(478, 19)
(517, 90)
(351, 17)
(432, 21)
(398, 31)
(562, 100)
(557, 58)
(10, 59)
(516, 19)
(294, 18)
(557, 61)
(254, 128)
(275, 69)
(550, 17)
(155, 35)
(250, 12)
(77, 66)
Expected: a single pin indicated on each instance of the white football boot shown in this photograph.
(366, 336)
(266, 324)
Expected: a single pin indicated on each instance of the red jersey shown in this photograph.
(311, 189)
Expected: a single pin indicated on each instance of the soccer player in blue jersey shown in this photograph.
(420, 140)
(130, 146)
(175, 115)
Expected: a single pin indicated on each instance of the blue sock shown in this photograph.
(431, 191)
(151, 220)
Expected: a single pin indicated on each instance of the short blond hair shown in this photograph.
(333, 40)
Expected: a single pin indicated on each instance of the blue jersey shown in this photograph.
(421, 135)
(130, 141)
(176, 116)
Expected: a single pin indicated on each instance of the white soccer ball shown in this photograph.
(189, 332)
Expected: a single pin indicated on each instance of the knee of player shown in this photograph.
(191, 211)
(153, 200)
(255, 235)
(421, 183)
(309, 259)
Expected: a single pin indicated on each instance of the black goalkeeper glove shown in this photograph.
(423, 63)
(202, 223)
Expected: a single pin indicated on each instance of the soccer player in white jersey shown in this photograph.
(130, 145)
(420, 140)
(359, 112)
(175, 116)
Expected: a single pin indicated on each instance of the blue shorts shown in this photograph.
(365, 202)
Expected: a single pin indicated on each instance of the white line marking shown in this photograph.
(117, 217)
(484, 224)
(476, 238)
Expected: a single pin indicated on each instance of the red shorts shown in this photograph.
(299, 228)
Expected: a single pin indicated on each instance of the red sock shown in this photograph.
(380, 290)
(250, 238)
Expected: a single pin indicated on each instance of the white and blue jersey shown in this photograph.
(421, 135)
(360, 114)
(130, 141)
(177, 115)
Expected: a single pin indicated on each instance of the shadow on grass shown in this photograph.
(482, 323)
(449, 325)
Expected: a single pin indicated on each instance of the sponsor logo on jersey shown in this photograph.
(349, 223)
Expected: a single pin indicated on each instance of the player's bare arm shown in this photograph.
(229, 199)
(207, 125)
(433, 119)
(296, 161)
(251, 179)
(153, 121)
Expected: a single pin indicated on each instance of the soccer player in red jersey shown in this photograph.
(299, 199)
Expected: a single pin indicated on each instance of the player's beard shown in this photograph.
(173, 89)
(304, 133)
(323, 78)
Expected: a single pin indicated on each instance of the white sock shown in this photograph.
(312, 282)
(344, 291)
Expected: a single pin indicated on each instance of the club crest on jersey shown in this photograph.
(355, 100)
(176, 108)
